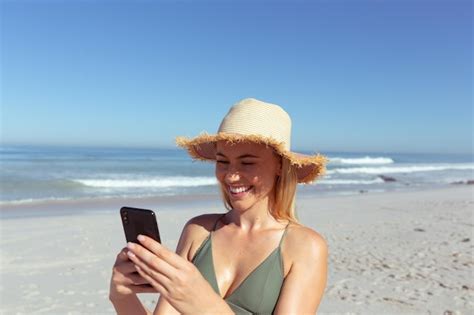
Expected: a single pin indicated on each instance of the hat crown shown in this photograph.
(253, 117)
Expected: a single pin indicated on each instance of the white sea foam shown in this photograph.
(5, 203)
(350, 181)
(367, 160)
(29, 201)
(401, 169)
(161, 182)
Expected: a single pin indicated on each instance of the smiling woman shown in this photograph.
(255, 258)
(247, 173)
(284, 190)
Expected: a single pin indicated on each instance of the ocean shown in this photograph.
(30, 174)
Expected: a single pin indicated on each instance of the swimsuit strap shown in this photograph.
(215, 224)
(284, 233)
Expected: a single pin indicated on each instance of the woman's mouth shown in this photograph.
(239, 191)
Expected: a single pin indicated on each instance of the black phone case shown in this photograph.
(139, 221)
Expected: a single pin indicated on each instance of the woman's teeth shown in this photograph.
(238, 190)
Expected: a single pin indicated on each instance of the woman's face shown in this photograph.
(247, 172)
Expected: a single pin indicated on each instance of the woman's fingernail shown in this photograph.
(140, 237)
(130, 254)
(130, 245)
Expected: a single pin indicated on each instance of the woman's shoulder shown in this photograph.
(302, 241)
(203, 222)
(195, 232)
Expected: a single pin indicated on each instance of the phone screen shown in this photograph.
(137, 221)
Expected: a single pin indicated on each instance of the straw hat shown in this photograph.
(251, 120)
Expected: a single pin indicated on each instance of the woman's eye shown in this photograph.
(222, 162)
(248, 163)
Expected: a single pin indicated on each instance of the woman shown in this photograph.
(256, 258)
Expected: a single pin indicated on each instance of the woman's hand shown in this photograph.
(125, 280)
(175, 278)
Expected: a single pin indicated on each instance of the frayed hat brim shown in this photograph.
(308, 167)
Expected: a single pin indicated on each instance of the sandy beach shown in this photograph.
(390, 253)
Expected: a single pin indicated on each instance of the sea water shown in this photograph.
(32, 173)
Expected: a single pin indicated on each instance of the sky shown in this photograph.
(355, 76)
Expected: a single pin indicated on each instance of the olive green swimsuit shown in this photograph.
(259, 292)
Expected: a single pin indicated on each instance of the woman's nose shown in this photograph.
(232, 176)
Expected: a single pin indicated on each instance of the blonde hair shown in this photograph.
(285, 193)
(282, 207)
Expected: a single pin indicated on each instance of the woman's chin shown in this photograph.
(244, 205)
(239, 206)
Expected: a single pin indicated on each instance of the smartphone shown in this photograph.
(139, 221)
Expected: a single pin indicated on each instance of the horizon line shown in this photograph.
(164, 147)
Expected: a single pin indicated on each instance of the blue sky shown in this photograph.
(381, 76)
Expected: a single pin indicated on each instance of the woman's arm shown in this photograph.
(192, 231)
(130, 305)
(304, 285)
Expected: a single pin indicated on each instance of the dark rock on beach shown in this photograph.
(387, 178)
(468, 182)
